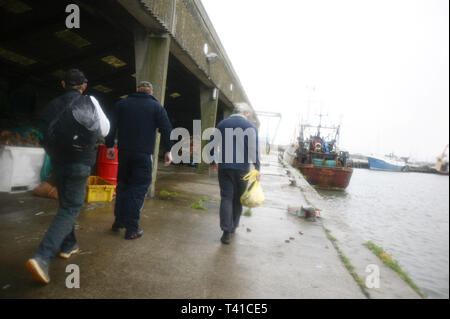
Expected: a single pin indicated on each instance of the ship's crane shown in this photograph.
(440, 159)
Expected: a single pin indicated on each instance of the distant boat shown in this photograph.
(386, 164)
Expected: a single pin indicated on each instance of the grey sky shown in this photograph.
(381, 68)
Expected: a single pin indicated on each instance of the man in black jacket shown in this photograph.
(136, 118)
(81, 120)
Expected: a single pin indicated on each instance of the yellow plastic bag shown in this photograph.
(253, 195)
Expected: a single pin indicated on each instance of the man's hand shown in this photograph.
(214, 166)
(111, 153)
(167, 159)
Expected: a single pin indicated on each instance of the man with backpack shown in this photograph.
(73, 123)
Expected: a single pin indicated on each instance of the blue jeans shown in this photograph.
(133, 179)
(231, 189)
(71, 180)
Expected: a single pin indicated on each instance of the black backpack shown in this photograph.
(74, 130)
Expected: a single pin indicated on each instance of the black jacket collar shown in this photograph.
(143, 95)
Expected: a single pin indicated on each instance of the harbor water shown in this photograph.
(405, 213)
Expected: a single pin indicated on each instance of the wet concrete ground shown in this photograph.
(180, 254)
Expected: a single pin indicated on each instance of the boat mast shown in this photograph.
(320, 123)
(336, 138)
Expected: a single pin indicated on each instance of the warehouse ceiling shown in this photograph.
(36, 48)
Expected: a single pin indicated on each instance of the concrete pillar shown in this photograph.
(209, 99)
(152, 60)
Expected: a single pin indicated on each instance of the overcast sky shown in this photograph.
(378, 68)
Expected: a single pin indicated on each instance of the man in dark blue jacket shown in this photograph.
(239, 150)
(136, 118)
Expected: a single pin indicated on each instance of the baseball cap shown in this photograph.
(75, 77)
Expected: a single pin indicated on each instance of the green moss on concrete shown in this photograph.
(393, 264)
(165, 193)
(351, 270)
(208, 199)
(248, 212)
(198, 205)
(329, 236)
(347, 263)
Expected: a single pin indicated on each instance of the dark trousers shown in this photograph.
(133, 179)
(231, 189)
(71, 180)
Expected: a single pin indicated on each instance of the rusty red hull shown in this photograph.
(331, 178)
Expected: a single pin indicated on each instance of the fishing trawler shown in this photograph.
(319, 160)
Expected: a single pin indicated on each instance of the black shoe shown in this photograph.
(115, 227)
(38, 269)
(134, 235)
(225, 239)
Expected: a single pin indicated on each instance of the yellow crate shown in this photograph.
(99, 190)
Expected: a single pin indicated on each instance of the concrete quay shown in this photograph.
(273, 254)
